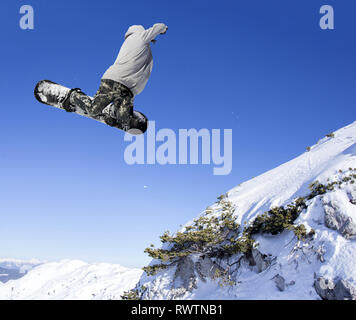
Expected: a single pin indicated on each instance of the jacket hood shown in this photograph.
(133, 29)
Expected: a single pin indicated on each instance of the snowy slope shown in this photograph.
(72, 279)
(295, 264)
(291, 180)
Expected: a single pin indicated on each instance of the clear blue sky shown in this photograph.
(261, 68)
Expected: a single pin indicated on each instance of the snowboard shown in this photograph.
(59, 93)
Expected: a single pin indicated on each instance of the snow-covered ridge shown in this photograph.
(72, 279)
(283, 267)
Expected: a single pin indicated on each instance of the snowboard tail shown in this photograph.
(56, 95)
(51, 93)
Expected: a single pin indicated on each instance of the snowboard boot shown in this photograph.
(135, 124)
(108, 115)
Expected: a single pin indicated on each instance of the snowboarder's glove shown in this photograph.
(164, 30)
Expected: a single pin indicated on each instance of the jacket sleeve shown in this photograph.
(151, 33)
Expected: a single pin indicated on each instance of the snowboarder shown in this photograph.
(127, 77)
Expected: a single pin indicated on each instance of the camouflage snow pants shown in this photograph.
(109, 92)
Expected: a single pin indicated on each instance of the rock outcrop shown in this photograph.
(337, 289)
(337, 220)
(261, 261)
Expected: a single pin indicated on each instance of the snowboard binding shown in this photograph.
(137, 121)
(66, 105)
(137, 125)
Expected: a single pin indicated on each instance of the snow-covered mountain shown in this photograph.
(281, 266)
(71, 279)
(289, 233)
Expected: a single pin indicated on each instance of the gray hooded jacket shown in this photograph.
(134, 63)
